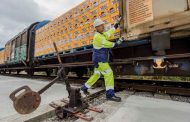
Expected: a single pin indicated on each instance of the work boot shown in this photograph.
(110, 95)
(114, 98)
(85, 90)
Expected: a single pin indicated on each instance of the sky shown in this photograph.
(15, 15)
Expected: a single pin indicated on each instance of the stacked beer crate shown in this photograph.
(7, 52)
(2, 55)
(75, 28)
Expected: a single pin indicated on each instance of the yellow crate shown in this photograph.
(7, 51)
(106, 19)
(74, 44)
(95, 3)
(104, 6)
(72, 34)
(77, 33)
(2, 56)
(87, 40)
(75, 12)
(67, 47)
(77, 20)
(62, 47)
(88, 7)
(81, 8)
(94, 12)
(114, 2)
(83, 42)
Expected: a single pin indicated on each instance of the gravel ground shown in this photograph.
(55, 119)
(180, 98)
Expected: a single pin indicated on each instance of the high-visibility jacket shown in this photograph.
(102, 47)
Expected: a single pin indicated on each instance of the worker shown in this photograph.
(101, 58)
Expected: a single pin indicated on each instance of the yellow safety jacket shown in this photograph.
(102, 46)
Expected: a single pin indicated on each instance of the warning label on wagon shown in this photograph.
(139, 11)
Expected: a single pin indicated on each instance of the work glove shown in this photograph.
(120, 41)
(117, 23)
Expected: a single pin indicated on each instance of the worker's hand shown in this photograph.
(120, 41)
(117, 23)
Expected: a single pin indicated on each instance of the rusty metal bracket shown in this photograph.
(83, 116)
(66, 111)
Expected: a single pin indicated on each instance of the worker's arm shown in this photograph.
(109, 33)
(108, 44)
(100, 42)
(117, 23)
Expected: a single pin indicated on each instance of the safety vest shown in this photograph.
(102, 47)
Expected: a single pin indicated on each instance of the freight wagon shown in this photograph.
(19, 51)
(2, 59)
(156, 38)
(2, 52)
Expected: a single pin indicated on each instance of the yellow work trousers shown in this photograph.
(106, 71)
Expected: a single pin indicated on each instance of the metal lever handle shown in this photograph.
(12, 95)
(48, 85)
(62, 70)
(61, 73)
(56, 50)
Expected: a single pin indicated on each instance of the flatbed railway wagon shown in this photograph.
(156, 36)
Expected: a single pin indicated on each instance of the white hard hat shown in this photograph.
(98, 22)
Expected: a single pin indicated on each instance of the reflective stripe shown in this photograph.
(113, 44)
(97, 48)
(109, 87)
(97, 72)
(87, 86)
(106, 71)
(103, 43)
(109, 35)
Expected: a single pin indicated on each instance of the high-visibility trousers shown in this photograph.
(106, 71)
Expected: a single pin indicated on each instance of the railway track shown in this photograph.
(155, 86)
